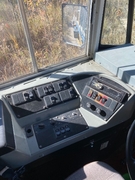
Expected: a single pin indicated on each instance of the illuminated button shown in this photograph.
(90, 93)
(98, 98)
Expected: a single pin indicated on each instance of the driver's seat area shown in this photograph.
(96, 171)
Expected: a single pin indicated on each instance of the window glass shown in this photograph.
(14, 56)
(46, 28)
(115, 22)
(133, 28)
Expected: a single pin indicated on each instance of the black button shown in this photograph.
(62, 130)
(67, 128)
(57, 132)
(41, 126)
(52, 121)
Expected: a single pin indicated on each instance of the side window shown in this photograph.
(115, 22)
(14, 54)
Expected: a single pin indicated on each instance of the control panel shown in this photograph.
(59, 127)
(42, 118)
(44, 97)
(102, 98)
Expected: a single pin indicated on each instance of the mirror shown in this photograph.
(74, 24)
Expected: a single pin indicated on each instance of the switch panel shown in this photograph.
(43, 97)
(101, 96)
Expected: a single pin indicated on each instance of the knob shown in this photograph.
(88, 105)
(98, 110)
(99, 86)
(93, 107)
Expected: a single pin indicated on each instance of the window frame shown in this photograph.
(129, 27)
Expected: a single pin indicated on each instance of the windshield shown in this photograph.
(44, 20)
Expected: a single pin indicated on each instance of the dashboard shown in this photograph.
(48, 116)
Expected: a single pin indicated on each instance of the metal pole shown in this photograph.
(130, 21)
(27, 35)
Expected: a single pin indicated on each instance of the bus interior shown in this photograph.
(67, 87)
